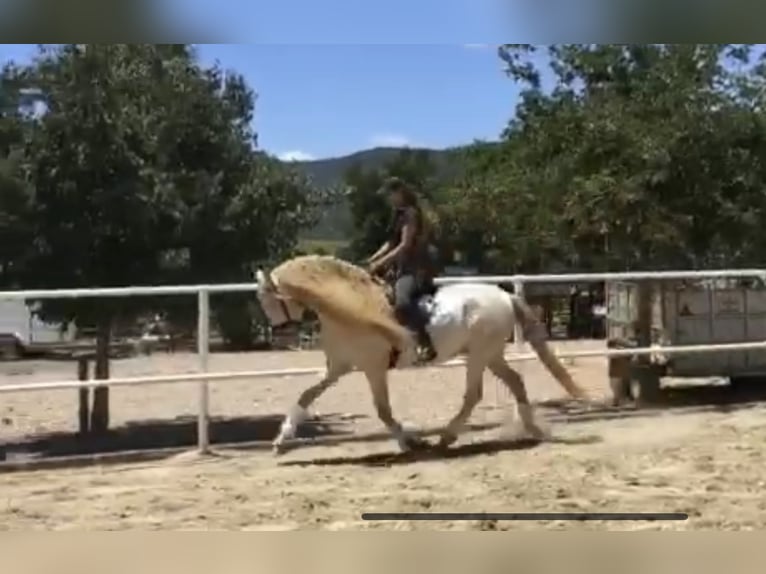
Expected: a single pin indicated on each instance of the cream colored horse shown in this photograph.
(358, 330)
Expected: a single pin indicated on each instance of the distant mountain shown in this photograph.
(336, 223)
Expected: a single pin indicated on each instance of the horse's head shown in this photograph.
(279, 310)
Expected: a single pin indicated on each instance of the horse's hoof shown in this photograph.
(279, 448)
(534, 432)
(592, 404)
(413, 443)
(447, 440)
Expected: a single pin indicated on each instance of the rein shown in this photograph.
(384, 284)
(290, 321)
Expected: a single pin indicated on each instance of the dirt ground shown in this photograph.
(703, 454)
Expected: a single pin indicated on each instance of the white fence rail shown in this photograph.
(204, 377)
(237, 375)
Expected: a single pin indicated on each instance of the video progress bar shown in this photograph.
(506, 516)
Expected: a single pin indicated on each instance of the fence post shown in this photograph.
(84, 395)
(644, 380)
(518, 328)
(99, 412)
(203, 350)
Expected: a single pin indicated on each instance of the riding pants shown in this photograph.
(407, 291)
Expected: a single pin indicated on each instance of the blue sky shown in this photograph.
(337, 76)
(329, 100)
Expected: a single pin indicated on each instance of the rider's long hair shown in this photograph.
(429, 228)
(429, 220)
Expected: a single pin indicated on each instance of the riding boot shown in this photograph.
(427, 352)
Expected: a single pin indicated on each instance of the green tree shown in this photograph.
(639, 156)
(15, 195)
(237, 207)
(144, 171)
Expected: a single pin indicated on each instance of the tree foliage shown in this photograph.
(143, 169)
(645, 156)
(15, 233)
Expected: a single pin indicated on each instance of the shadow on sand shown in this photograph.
(150, 440)
(156, 439)
(720, 398)
(166, 434)
(393, 458)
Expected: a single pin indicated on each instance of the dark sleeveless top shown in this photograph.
(416, 257)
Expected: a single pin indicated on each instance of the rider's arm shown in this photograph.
(380, 252)
(406, 240)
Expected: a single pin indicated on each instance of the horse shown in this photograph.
(359, 330)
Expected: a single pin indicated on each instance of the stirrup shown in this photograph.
(426, 354)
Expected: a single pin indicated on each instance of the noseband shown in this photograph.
(290, 322)
(286, 311)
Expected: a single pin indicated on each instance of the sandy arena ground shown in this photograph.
(707, 460)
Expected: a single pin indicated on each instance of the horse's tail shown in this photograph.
(535, 333)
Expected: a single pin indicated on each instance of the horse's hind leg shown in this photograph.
(512, 379)
(472, 396)
(298, 412)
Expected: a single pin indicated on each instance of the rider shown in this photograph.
(407, 245)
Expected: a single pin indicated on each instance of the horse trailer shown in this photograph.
(686, 313)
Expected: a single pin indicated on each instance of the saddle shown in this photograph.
(425, 303)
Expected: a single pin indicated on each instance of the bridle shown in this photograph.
(286, 312)
(290, 321)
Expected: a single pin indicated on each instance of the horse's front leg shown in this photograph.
(298, 413)
(378, 381)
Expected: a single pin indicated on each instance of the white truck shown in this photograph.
(20, 328)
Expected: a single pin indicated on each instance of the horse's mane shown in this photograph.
(341, 291)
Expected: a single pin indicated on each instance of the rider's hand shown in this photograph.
(374, 268)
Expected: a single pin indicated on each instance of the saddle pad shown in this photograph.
(439, 311)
